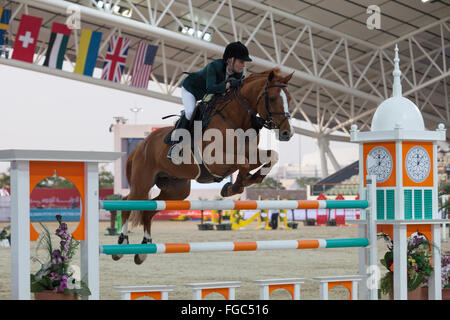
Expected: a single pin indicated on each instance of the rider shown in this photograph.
(217, 77)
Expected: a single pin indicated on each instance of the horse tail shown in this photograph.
(129, 165)
(137, 218)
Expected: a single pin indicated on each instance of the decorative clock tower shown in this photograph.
(403, 157)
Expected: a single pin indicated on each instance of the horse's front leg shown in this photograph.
(237, 187)
(267, 159)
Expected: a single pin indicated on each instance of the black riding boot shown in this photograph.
(182, 123)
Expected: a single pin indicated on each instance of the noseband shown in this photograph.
(269, 123)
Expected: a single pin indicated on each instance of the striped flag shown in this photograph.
(5, 15)
(115, 58)
(88, 52)
(26, 38)
(57, 45)
(143, 63)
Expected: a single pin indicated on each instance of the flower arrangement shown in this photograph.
(57, 274)
(445, 271)
(419, 263)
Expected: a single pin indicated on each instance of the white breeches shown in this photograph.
(189, 103)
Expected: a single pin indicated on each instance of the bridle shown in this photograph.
(257, 122)
(269, 122)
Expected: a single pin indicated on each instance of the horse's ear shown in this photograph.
(271, 76)
(287, 78)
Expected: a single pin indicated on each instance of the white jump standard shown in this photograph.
(292, 285)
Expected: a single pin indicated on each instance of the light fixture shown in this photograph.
(190, 31)
(136, 110)
(119, 10)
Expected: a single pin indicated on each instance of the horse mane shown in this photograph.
(252, 77)
(259, 75)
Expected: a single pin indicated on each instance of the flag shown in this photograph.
(115, 58)
(142, 67)
(26, 38)
(57, 45)
(5, 15)
(88, 52)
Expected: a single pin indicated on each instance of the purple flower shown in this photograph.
(63, 226)
(62, 285)
(56, 258)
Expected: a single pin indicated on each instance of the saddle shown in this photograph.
(203, 112)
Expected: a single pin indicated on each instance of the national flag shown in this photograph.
(5, 15)
(88, 52)
(143, 63)
(57, 45)
(115, 58)
(26, 38)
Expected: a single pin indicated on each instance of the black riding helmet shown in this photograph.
(236, 50)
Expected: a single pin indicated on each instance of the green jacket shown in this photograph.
(210, 79)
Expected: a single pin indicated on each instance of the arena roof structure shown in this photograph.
(340, 52)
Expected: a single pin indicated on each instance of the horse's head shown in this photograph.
(273, 105)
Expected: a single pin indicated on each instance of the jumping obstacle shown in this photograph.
(153, 248)
(158, 205)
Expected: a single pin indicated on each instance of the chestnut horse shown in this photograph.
(261, 101)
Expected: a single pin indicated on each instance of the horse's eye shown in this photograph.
(272, 99)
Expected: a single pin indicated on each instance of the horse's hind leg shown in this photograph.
(173, 189)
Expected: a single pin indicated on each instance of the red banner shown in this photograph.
(26, 38)
(60, 198)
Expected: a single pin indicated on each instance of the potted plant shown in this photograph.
(418, 263)
(208, 225)
(309, 222)
(5, 239)
(292, 224)
(331, 223)
(223, 226)
(56, 279)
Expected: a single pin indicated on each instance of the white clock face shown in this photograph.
(417, 164)
(379, 163)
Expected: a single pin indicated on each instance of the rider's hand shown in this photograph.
(234, 83)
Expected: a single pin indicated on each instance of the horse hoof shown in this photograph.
(139, 258)
(116, 257)
(224, 192)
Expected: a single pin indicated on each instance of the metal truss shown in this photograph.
(338, 81)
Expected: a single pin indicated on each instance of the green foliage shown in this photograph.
(114, 197)
(4, 232)
(5, 179)
(106, 180)
(302, 182)
(268, 183)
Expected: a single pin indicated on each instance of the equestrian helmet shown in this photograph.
(236, 50)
